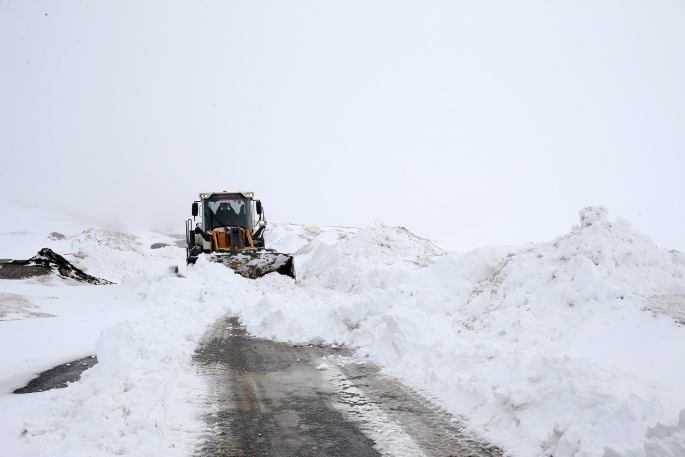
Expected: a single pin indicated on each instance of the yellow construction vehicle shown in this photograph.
(231, 232)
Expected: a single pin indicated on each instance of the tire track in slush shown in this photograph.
(268, 399)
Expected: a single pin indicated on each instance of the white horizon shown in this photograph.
(470, 124)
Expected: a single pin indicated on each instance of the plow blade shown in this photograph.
(255, 263)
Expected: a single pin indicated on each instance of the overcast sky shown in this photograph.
(471, 123)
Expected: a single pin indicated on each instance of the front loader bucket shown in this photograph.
(255, 263)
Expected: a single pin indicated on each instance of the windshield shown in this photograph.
(227, 211)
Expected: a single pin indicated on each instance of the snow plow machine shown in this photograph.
(231, 232)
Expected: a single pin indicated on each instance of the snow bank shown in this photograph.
(596, 263)
(497, 336)
(666, 440)
(143, 397)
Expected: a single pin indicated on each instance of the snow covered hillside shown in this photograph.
(571, 347)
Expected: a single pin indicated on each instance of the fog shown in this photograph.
(470, 123)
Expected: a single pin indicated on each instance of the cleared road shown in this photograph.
(269, 399)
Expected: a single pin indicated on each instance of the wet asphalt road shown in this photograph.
(58, 377)
(269, 399)
(270, 404)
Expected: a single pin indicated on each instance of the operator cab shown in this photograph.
(227, 210)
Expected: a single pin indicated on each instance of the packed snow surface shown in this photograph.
(572, 347)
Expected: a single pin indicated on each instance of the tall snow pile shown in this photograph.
(527, 344)
(597, 262)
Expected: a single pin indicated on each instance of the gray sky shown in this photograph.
(471, 123)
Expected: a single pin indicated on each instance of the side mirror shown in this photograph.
(259, 207)
(194, 210)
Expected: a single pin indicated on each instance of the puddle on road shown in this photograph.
(264, 402)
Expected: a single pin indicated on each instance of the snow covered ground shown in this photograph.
(571, 347)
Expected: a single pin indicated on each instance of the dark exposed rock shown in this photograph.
(56, 236)
(160, 245)
(11, 270)
(47, 261)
